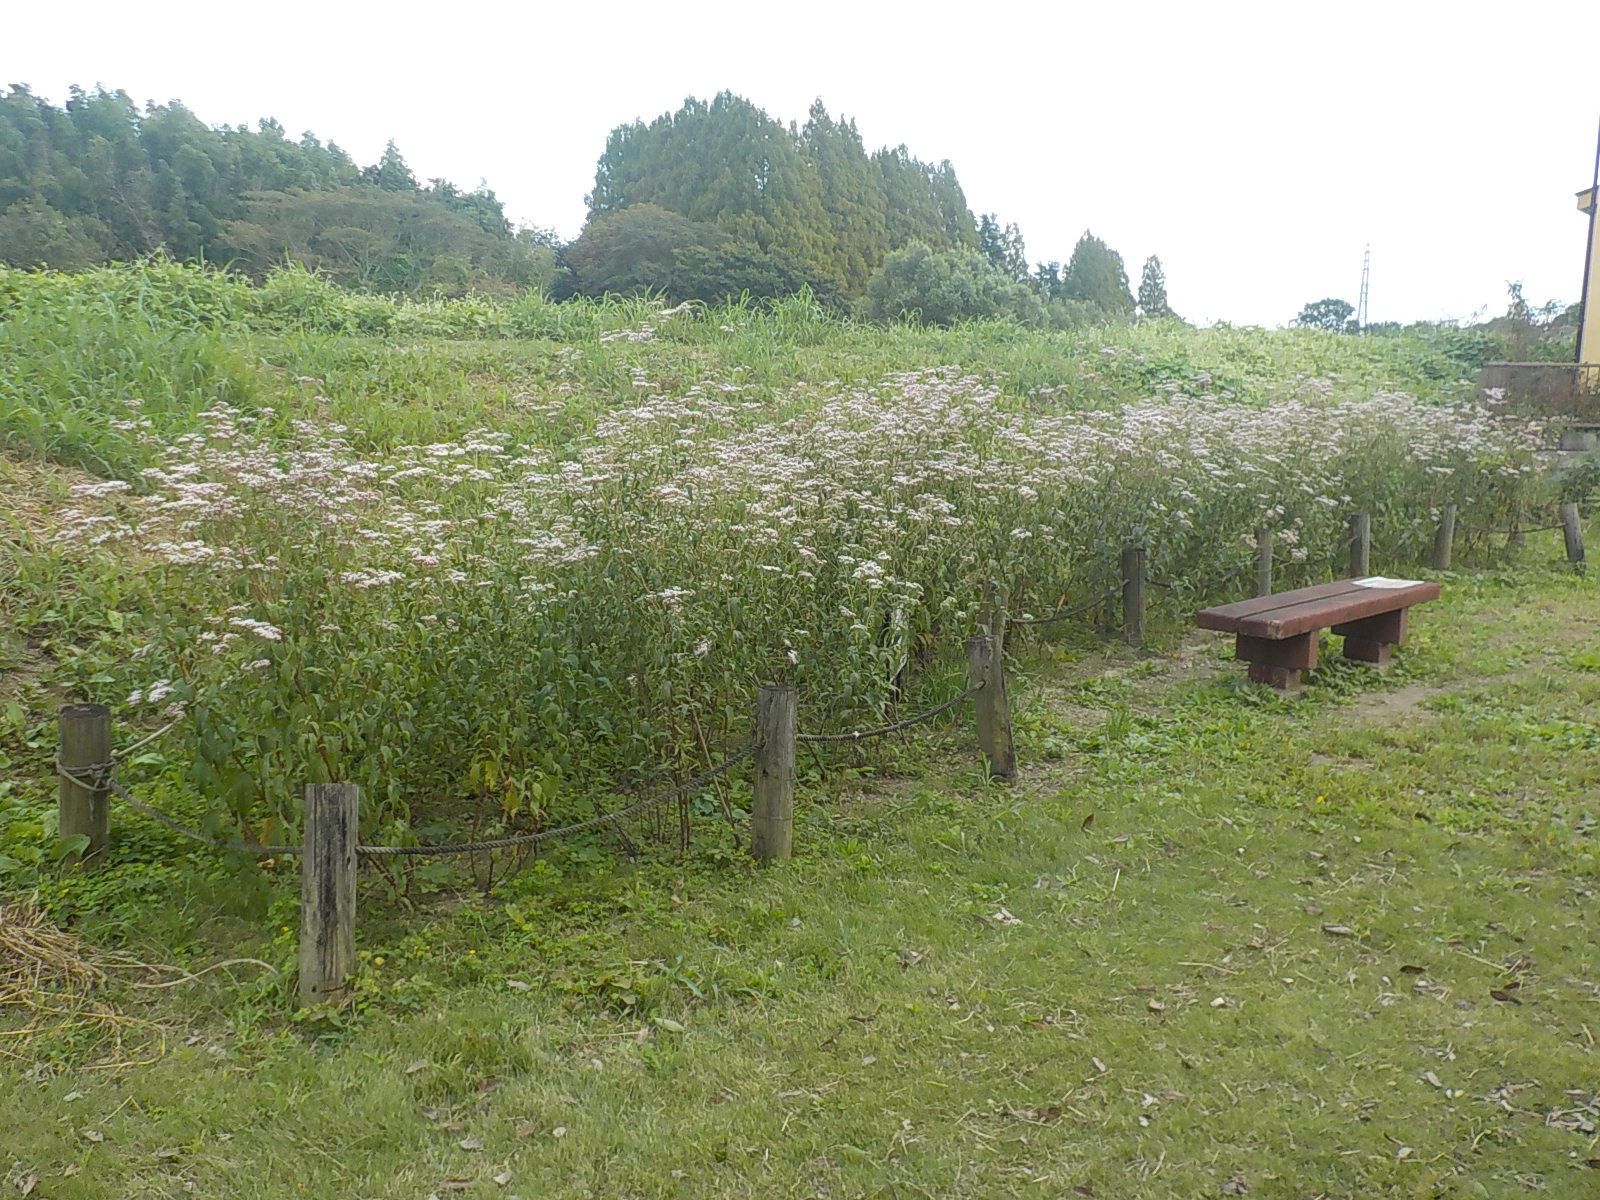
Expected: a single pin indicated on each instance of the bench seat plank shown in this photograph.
(1226, 617)
(1319, 612)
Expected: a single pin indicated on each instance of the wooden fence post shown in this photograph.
(1264, 561)
(85, 741)
(1360, 545)
(1133, 594)
(986, 667)
(328, 892)
(772, 816)
(1572, 532)
(1444, 537)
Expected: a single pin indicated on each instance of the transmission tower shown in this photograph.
(1366, 277)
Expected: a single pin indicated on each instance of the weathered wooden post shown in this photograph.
(1264, 561)
(1133, 594)
(1572, 532)
(772, 815)
(328, 892)
(1360, 545)
(1444, 537)
(986, 671)
(85, 741)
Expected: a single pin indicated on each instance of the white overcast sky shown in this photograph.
(1257, 148)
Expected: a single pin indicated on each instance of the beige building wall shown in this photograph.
(1589, 335)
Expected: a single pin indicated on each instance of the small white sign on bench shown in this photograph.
(1382, 581)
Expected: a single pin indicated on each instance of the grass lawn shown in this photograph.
(1212, 943)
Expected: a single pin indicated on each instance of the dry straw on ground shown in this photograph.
(51, 982)
(48, 984)
(38, 958)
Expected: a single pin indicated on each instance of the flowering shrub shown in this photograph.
(494, 614)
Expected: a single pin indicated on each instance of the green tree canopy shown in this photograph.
(812, 195)
(1327, 314)
(635, 249)
(941, 287)
(379, 240)
(732, 269)
(1095, 275)
(102, 179)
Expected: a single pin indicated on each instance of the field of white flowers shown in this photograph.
(561, 592)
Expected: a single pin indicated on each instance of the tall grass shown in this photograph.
(426, 546)
(76, 365)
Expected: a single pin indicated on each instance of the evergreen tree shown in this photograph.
(989, 239)
(926, 203)
(813, 194)
(1095, 275)
(853, 195)
(1047, 281)
(1153, 290)
(1003, 247)
(391, 173)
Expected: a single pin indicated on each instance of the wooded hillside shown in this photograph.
(101, 179)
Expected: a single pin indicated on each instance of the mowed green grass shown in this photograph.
(1267, 966)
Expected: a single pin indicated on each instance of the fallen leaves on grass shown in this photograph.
(1582, 1118)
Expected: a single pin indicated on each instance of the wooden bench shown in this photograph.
(1277, 635)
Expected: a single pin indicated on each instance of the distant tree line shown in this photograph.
(1524, 333)
(713, 201)
(719, 199)
(100, 179)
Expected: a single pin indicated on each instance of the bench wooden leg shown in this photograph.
(1362, 650)
(1372, 639)
(1277, 662)
(1285, 679)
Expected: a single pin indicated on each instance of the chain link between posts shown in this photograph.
(102, 777)
(1106, 596)
(863, 735)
